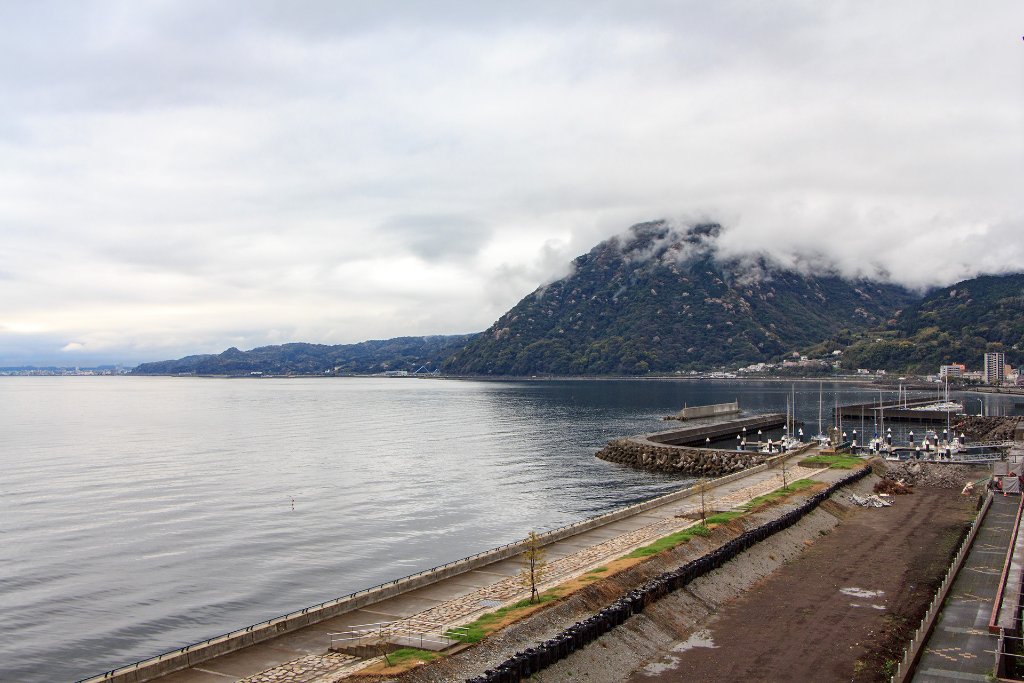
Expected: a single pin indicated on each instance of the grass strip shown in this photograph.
(477, 629)
(669, 542)
(836, 462)
(798, 485)
(409, 655)
(723, 517)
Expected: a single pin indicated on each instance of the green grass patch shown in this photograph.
(598, 570)
(836, 462)
(486, 623)
(407, 655)
(669, 542)
(723, 517)
(798, 485)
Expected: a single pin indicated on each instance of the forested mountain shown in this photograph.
(955, 324)
(659, 300)
(402, 353)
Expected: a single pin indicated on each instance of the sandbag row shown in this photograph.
(524, 664)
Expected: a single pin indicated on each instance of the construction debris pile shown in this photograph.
(987, 428)
(930, 474)
(870, 501)
(892, 488)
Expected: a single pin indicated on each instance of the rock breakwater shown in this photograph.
(694, 462)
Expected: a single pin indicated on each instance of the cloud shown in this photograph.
(71, 347)
(183, 177)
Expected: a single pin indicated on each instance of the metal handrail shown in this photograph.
(386, 630)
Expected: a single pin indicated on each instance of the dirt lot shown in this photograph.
(840, 611)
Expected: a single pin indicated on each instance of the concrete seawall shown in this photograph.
(236, 640)
(696, 412)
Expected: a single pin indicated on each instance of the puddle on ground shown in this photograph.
(861, 593)
(668, 662)
(700, 638)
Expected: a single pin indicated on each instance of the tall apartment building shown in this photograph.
(995, 368)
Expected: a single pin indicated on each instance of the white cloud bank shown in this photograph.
(181, 177)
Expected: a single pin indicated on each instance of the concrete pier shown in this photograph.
(698, 435)
(902, 411)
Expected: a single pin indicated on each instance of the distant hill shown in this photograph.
(659, 300)
(402, 353)
(955, 324)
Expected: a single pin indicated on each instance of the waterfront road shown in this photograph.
(302, 656)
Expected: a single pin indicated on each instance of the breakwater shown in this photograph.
(532, 660)
(713, 410)
(694, 462)
(677, 451)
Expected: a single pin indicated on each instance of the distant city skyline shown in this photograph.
(184, 177)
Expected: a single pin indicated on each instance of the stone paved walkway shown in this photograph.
(306, 669)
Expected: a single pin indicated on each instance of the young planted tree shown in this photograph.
(704, 487)
(782, 468)
(535, 566)
(382, 641)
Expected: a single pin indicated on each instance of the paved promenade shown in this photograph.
(301, 656)
(960, 647)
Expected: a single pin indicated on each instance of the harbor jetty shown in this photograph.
(925, 411)
(686, 451)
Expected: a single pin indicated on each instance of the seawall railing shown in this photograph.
(196, 653)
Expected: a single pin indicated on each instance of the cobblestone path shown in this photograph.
(306, 669)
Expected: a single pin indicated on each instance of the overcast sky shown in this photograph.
(179, 177)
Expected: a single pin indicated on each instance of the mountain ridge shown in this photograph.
(658, 299)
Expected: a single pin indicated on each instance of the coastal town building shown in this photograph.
(994, 370)
(951, 371)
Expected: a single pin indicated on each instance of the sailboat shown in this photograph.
(823, 440)
(790, 442)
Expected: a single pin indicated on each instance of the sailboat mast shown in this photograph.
(819, 408)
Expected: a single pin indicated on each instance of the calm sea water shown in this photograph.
(138, 515)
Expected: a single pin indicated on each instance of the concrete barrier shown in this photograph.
(696, 412)
(194, 654)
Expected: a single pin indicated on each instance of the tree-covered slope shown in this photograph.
(659, 300)
(402, 353)
(955, 324)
